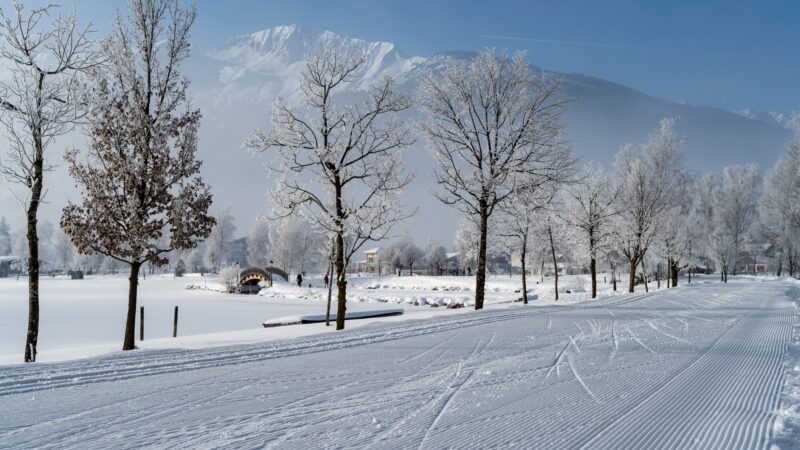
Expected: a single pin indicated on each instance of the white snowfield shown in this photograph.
(703, 366)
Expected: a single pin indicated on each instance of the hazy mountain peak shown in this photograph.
(769, 117)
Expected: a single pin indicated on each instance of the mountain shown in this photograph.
(252, 70)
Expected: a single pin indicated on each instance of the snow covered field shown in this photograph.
(87, 317)
(703, 366)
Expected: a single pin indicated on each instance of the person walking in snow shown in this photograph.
(299, 280)
(326, 280)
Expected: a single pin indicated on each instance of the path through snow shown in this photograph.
(697, 367)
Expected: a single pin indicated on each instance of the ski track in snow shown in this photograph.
(693, 367)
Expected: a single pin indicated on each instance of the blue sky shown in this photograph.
(730, 54)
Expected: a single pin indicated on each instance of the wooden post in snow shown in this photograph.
(141, 323)
(175, 323)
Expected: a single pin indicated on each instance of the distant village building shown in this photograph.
(752, 266)
(372, 261)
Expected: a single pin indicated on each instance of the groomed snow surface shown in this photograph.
(700, 366)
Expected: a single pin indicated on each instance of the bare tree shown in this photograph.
(342, 164)
(142, 193)
(47, 52)
(493, 128)
(591, 206)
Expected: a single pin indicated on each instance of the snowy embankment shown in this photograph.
(695, 367)
(81, 318)
(787, 425)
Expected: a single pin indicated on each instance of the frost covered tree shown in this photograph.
(466, 242)
(195, 257)
(5, 246)
(704, 208)
(229, 276)
(680, 229)
(552, 232)
(143, 196)
(341, 164)
(647, 183)
(46, 53)
(591, 205)
(5, 237)
(63, 251)
(258, 251)
(19, 247)
(780, 204)
(296, 245)
(403, 253)
(493, 128)
(435, 256)
(735, 212)
(516, 226)
(219, 243)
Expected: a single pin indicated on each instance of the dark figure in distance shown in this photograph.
(299, 280)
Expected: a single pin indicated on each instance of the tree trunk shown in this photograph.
(522, 262)
(341, 284)
(555, 262)
(689, 274)
(480, 276)
(674, 271)
(593, 269)
(330, 285)
(644, 277)
(32, 337)
(130, 323)
(614, 279)
(632, 275)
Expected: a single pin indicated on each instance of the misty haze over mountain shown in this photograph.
(236, 85)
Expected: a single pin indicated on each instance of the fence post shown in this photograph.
(141, 323)
(175, 324)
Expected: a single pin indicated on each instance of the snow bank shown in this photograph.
(317, 318)
(787, 421)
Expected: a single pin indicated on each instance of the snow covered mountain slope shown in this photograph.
(240, 82)
(692, 367)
